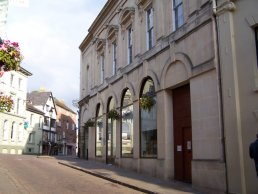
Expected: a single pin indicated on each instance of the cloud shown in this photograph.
(49, 33)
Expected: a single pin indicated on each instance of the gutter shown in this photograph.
(214, 8)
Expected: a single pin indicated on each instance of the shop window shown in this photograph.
(148, 131)
(111, 130)
(99, 131)
(127, 124)
(256, 39)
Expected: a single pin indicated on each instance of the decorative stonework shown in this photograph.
(112, 33)
(127, 17)
(100, 45)
(226, 6)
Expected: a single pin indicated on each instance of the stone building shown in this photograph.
(44, 101)
(13, 136)
(187, 56)
(65, 129)
(33, 129)
(237, 27)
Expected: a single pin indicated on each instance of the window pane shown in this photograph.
(180, 16)
(114, 58)
(256, 37)
(127, 131)
(111, 132)
(149, 132)
(99, 136)
(149, 124)
(127, 98)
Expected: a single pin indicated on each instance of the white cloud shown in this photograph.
(49, 33)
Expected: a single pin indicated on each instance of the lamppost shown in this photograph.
(49, 141)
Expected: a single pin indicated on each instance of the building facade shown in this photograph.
(237, 25)
(33, 126)
(65, 129)
(44, 101)
(187, 56)
(13, 136)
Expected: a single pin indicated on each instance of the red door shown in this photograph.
(182, 133)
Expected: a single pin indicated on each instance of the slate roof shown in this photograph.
(63, 105)
(31, 108)
(38, 97)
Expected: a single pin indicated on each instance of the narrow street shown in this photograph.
(31, 175)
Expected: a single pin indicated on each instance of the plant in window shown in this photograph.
(10, 56)
(6, 103)
(89, 123)
(113, 114)
(127, 115)
(147, 101)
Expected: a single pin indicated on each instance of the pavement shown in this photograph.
(131, 179)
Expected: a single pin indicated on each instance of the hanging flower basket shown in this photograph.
(147, 102)
(89, 123)
(127, 115)
(10, 56)
(6, 103)
(113, 114)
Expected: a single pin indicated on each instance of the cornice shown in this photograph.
(226, 6)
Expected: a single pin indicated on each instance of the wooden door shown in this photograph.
(182, 133)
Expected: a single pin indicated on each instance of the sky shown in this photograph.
(49, 33)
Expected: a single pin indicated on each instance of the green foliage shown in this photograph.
(10, 56)
(147, 102)
(89, 123)
(6, 103)
(113, 114)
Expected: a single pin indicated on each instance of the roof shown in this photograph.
(61, 104)
(31, 108)
(38, 97)
(24, 71)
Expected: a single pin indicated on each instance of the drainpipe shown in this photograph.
(214, 8)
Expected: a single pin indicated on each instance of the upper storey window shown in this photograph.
(130, 45)
(178, 13)
(149, 28)
(112, 39)
(126, 22)
(114, 58)
(101, 58)
(102, 68)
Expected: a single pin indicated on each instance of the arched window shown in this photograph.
(5, 130)
(148, 131)
(13, 131)
(127, 124)
(111, 133)
(99, 131)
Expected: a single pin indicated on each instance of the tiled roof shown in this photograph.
(38, 97)
(31, 108)
(61, 104)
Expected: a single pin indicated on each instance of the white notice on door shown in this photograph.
(189, 145)
(179, 148)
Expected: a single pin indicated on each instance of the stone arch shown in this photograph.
(154, 77)
(182, 64)
(127, 16)
(102, 105)
(111, 32)
(114, 96)
(84, 115)
(130, 86)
